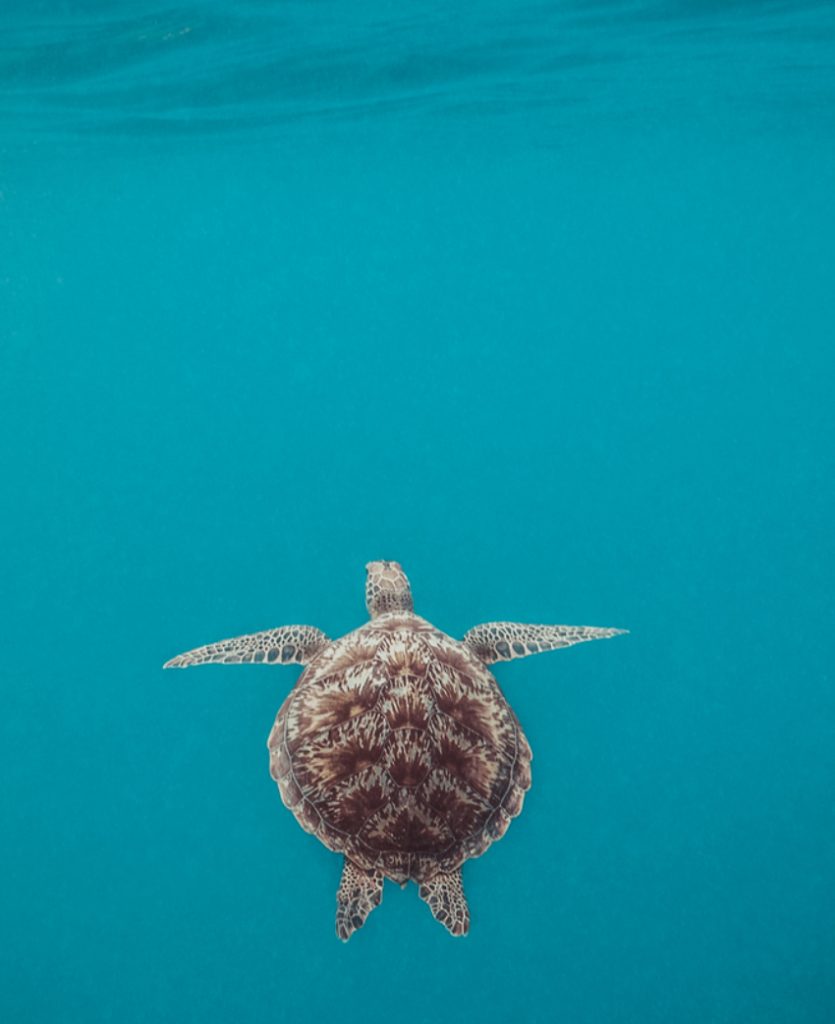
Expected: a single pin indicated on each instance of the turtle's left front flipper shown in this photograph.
(504, 641)
(283, 646)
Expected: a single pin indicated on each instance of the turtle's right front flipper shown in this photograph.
(503, 641)
(283, 646)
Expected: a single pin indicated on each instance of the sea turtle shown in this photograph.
(396, 747)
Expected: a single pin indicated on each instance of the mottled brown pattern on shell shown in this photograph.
(336, 699)
(408, 757)
(349, 804)
(463, 809)
(397, 748)
(333, 755)
(408, 703)
(469, 759)
(409, 826)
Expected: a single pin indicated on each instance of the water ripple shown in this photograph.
(207, 67)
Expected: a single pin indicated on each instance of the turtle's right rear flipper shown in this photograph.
(445, 895)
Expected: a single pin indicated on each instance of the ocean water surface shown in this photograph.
(536, 299)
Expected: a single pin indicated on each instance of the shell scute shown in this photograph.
(349, 804)
(329, 757)
(498, 823)
(408, 757)
(522, 772)
(332, 701)
(464, 701)
(411, 827)
(407, 703)
(513, 801)
(466, 757)
(291, 793)
(307, 816)
(464, 809)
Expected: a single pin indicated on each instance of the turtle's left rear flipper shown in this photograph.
(358, 894)
(283, 646)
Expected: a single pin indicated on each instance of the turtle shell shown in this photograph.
(397, 748)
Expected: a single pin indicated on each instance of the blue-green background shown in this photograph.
(536, 299)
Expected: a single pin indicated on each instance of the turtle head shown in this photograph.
(387, 589)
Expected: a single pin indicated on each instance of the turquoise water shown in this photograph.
(536, 299)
